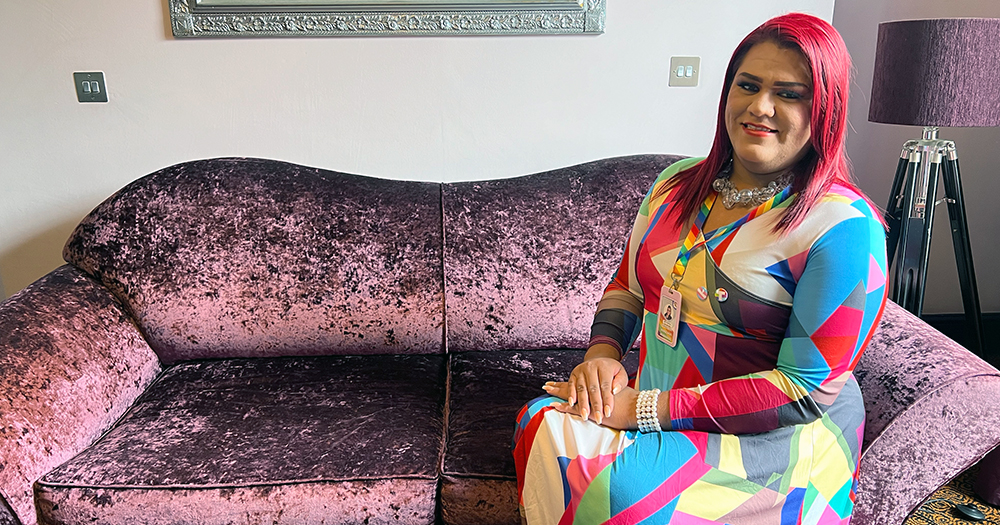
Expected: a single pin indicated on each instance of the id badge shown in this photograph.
(668, 318)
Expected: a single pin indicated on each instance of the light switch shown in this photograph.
(90, 87)
(684, 71)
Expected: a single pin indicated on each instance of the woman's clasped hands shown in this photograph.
(598, 390)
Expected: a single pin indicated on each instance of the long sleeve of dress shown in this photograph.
(836, 305)
(618, 320)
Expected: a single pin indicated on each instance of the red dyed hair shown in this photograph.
(826, 163)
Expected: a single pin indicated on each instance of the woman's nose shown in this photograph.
(762, 105)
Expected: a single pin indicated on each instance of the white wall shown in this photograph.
(874, 150)
(436, 109)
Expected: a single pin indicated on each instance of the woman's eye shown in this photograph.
(789, 95)
(747, 86)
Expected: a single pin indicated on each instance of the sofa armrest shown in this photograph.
(931, 409)
(71, 363)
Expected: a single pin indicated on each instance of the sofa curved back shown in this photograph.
(527, 258)
(250, 258)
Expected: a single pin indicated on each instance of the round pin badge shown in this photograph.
(702, 293)
(721, 294)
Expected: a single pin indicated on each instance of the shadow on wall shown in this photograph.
(24, 263)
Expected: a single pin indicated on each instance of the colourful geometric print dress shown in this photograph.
(766, 414)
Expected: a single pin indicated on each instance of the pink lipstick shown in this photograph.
(757, 130)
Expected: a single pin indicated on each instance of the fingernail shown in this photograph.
(584, 414)
(607, 411)
(616, 389)
(550, 383)
(546, 387)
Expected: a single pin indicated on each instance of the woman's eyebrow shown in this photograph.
(759, 80)
(755, 78)
(793, 84)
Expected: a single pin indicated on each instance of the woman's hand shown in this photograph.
(592, 387)
(621, 417)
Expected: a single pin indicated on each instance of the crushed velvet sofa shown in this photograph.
(243, 341)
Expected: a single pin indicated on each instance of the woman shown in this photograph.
(745, 408)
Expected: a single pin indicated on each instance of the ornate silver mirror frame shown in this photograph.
(246, 18)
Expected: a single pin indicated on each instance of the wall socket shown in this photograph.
(90, 87)
(684, 71)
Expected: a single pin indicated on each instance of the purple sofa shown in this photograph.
(243, 341)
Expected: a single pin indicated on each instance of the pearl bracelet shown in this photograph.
(645, 411)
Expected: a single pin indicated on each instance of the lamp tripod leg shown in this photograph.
(911, 237)
(925, 238)
(963, 252)
(894, 210)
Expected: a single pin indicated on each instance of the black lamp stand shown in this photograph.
(910, 215)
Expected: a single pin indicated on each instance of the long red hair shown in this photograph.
(826, 163)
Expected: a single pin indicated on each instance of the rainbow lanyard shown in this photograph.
(696, 237)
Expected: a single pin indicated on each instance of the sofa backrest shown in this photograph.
(527, 258)
(250, 258)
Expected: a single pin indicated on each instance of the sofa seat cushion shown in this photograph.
(335, 439)
(488, 389)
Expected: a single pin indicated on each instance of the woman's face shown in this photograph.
(768, 110)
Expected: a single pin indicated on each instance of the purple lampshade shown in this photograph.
(939, 72)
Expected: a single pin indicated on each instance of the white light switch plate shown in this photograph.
(684, 71)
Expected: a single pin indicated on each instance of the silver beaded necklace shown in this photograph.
(751, 197)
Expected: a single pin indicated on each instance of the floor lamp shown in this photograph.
(934, 73)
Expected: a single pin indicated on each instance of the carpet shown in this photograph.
(939, 509)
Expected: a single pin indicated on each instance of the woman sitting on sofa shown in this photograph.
(745, 408)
